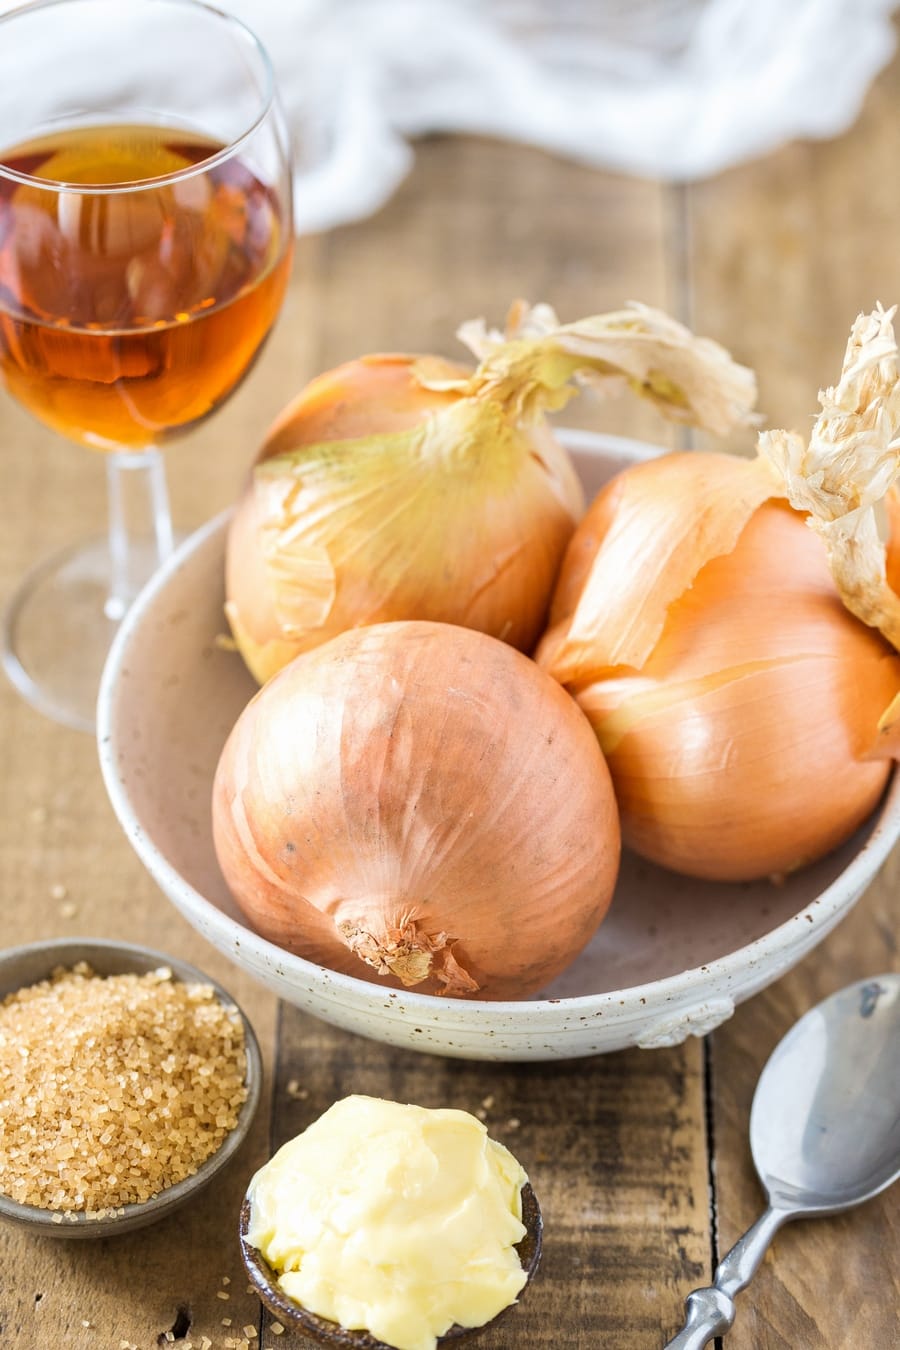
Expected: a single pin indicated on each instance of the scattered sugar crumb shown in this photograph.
(206, 1343)
(249, 1332)
(487, 1102)
(85, 1322)
(226, 1321)
(226, 1279)
(58, 891)
(38, 815)
(513, 1123)
(276, 1328)
(296, 1091)
(481, 1113)
(170, 1337)
(68, 910)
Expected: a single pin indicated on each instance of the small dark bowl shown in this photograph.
(22, 966)
(291, 1314)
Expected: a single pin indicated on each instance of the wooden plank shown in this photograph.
(833, 1283)
(58, 829)
(612, 1145)
(783, 254)
(615, 1146)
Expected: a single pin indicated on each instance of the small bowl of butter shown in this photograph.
(386, 1226)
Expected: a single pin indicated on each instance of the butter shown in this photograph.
(392, 1218)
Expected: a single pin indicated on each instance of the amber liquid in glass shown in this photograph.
(128, 316)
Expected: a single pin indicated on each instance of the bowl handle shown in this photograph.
(697, 1021)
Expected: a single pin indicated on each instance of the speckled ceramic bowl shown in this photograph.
(23, 966)
(672, 958)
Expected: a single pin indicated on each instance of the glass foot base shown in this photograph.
(57, 631)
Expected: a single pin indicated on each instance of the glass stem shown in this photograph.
(140, 524)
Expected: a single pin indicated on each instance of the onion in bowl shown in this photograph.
(419, 805)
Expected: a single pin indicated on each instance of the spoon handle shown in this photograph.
(710, 1311)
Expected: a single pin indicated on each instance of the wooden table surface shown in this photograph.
(640, 1158)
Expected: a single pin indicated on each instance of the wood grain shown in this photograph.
(782, 256)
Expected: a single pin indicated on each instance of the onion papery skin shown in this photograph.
(743, 745)
(419, 805)
(354, 518)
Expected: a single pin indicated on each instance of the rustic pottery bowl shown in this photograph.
(672, 959)
(22, 966)
(294, 1315)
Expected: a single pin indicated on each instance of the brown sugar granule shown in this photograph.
(113, 1087)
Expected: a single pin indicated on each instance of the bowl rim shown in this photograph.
(669, 989)
(39, 1218)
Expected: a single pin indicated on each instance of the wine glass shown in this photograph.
(145, 247)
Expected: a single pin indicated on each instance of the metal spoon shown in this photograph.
(824, 1133)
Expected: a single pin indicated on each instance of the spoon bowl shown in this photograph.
(265, 1281)
(824, 1133)
(836, 1073)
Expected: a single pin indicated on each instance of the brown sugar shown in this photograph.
(113, 1088)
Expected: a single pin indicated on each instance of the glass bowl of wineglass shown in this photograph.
(145, 248)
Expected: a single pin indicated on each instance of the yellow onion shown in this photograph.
(747, 716)
(401, 487)
(419, 805)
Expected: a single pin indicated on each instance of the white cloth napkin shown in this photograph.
(671, 89)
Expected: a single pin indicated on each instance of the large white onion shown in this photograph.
(725, 646)
(743, 743)
(418, 804)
